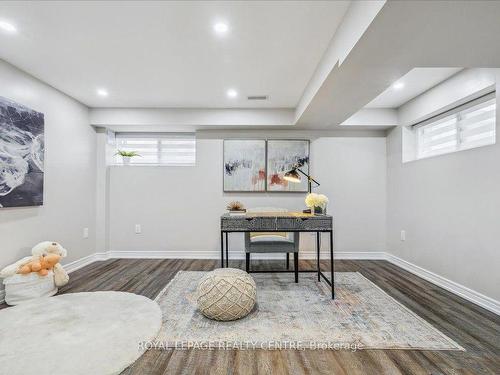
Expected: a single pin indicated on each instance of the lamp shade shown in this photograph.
(292, 176)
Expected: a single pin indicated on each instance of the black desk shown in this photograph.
(280, 222)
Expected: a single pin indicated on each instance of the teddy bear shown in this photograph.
(42, 265)
(43, 258)
(48, 247)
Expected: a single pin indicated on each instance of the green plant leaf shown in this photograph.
(127, 153)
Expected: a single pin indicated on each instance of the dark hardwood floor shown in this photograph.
(476, 329)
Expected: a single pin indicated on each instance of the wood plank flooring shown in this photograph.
(476, 329)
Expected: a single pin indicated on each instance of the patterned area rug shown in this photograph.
(299, 316)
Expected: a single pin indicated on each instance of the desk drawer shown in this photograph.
(249, 223)
(304, 224)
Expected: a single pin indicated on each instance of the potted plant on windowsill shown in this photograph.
(127, 156)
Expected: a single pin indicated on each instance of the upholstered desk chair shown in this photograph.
(272, 242)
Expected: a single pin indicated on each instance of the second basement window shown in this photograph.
(467, 126)
(172, 149)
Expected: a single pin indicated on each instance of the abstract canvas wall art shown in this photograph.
(244, 165)
(283, 155)
(21, 155)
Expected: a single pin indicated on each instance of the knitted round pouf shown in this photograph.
(226, 294)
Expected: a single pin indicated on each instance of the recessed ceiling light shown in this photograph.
(231, 93)
(398, 85)
(102, 92)
(221, 28)
(8, 27)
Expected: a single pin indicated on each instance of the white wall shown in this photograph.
(179, 207)
(69, 189)
(449, 205)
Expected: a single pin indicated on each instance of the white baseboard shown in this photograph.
(172, 254)
(166, 254)
(237, 255)
(82, 262)
(451, 286)
(359, 255)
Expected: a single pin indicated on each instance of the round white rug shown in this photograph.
(79, 333)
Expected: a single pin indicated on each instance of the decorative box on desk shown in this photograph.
(280, 222)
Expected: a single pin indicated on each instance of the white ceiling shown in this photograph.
(415, 82)
(166, 54)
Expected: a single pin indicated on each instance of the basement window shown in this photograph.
(170, 149)
(467, 126)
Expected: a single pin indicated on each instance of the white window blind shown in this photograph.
(158, 148)
(468, 126)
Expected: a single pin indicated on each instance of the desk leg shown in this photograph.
(331, 265)
(227, 250)
(317, 255)
(221, 249)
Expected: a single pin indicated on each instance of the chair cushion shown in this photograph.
(272, 247)
(270, 237)
(274, 234)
